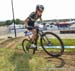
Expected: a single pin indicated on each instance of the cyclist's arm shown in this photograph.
(26, 22)
(41, 19)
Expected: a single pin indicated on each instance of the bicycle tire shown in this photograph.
(62, 45)
(24, 47)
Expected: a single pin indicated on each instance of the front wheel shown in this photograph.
(52, 44)
(26, 46)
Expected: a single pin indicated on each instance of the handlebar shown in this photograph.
(36, 27)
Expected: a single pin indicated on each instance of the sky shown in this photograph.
(54, 9)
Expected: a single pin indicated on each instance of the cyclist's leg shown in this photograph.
(32, 38)
(34, 35)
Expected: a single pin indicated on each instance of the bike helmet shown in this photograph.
(40, 7)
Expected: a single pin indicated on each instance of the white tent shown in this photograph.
(72, 26)
(16, 26)
(19, 28)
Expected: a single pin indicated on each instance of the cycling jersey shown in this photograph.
(32, 18)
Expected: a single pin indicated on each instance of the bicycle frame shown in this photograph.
(43, 39)
(38, 32)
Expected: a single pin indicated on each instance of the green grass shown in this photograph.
(17, 60)
(70, 50)
(67, 42)
(11, 60)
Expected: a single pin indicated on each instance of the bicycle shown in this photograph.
(50, 42)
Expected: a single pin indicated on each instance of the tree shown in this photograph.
(18, 21)
(8, 22)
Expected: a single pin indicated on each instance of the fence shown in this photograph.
(8, 31)
(5, 31)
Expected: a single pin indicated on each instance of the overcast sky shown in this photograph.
(54, 9)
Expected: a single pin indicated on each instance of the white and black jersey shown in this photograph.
(32, 18)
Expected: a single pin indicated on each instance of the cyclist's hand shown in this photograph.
(26, 26)
(29, 27)
(36, 26)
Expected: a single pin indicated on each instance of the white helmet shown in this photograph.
(40, 7)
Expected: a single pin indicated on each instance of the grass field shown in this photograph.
(69, 42)
(17, 60)
(66, 42)
(13, 60)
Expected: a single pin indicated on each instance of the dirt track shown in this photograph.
(66, 62)
(11, 43)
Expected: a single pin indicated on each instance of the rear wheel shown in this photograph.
(52, 44)
(26, 46)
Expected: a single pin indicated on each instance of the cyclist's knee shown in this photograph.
(34, 32)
